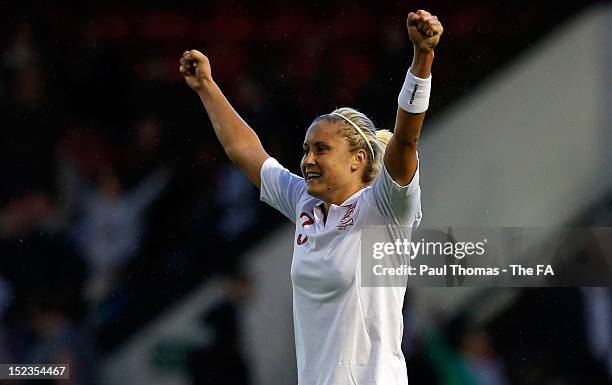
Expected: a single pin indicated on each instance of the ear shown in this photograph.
(360, 158)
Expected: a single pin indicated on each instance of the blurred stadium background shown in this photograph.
(132, 249)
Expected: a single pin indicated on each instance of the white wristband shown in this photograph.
(414, 96)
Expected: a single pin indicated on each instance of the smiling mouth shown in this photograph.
(312, 176)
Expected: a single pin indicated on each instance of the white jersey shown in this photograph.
(345, 334)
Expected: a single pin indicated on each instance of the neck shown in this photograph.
(341, 198)
(326, 207)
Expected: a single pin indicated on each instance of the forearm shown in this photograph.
(408, 125)
(233, 133)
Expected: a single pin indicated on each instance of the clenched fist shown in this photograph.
(195, 67)
(424, 30)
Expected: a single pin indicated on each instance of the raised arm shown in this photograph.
(400, 159)
(239, 141)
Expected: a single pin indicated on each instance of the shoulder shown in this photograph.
(394, 203)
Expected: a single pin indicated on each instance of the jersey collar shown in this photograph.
(350, 200)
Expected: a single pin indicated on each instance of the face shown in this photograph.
(332, 172)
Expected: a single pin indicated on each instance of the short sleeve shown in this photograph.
(401, 205)
(280, 188)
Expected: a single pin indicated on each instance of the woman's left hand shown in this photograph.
(424, 30)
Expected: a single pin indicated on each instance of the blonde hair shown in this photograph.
(378, 138)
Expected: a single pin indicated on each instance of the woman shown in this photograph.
(353, 176)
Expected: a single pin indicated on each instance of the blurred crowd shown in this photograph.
(116, 198)
(545, 336)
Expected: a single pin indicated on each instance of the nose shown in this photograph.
(309, 158)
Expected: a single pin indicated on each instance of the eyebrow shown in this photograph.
(318, 143)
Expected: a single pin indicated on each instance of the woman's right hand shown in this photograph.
(195, 67)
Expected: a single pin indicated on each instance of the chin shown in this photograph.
(315, 191)
(312, 191)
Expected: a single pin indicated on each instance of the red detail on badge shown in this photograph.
(300, 241)
(346, 220)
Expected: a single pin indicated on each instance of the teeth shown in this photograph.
(312, 175)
